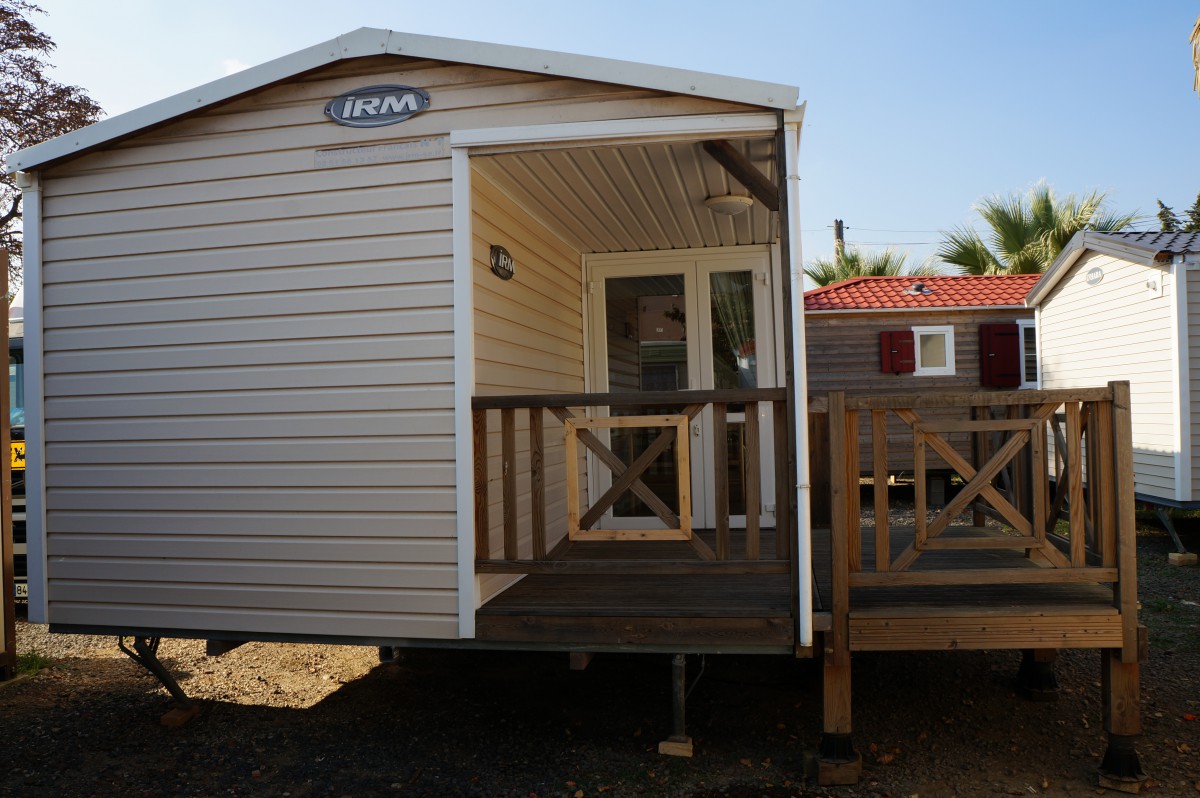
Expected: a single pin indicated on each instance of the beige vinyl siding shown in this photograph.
(843, 354)
(1115, 330)
(249, 359)
(528, 340)
(1193, 339)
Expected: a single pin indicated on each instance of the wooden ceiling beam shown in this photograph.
(746, 173)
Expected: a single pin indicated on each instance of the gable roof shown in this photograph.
(1147, 248)
(376, 41)
(944, 291)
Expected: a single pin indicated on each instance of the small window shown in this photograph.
(935, 351)
(1029, 355)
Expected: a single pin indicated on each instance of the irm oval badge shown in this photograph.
(376, 106)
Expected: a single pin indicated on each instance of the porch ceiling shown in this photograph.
(636, 198)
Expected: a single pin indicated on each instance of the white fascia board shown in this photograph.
(1062, 264)
(609, 129)
(376, 41)
(586, 67)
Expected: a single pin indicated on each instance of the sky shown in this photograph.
(916, 110)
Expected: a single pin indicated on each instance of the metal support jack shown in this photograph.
(679, 743)
(1164, 518)
(145, 653)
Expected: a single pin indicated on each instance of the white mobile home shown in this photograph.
(402, 340)
(1127, 306)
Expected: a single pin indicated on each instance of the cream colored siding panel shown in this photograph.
(331, 450)
(150, 614)
(277, 475)
(1115, 330)
(323, 277)
(219, 521)
(246, 402)
(403, 197)
(262, 572)
(248, 331)
(293, 425)
(265, 191)
(258, 353)
(1193, 392)
(217, 259)
(249, 547)
(434, 602)
(345, 375)
(411, 501)
(258, 233)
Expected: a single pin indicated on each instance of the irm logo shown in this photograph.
(376, 106)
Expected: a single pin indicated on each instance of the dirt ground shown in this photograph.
(305, 720)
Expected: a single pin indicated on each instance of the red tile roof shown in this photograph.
(939, 291)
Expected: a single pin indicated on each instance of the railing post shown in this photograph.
(853, 493)
(839, 531)
(1126, 521)
(1078, 513)
(482, 546)
(784, 490)
(879, 453)
(721, 482)
(753, 486)
(508, 438)
(537, 481)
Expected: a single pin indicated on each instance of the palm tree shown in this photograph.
(856, 263)
(1027, 232)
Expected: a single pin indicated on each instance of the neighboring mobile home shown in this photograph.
(1129, 304)
(405, 341)
(898, 335)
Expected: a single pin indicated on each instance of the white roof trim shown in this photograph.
(1084, 241)
(376, 41)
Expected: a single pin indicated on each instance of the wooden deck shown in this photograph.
(694, 609)
(751, 612)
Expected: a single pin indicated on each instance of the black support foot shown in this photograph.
(1035, 678)
(1120, 768)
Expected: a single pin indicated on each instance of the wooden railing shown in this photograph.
(572, 411)
(1008, 477)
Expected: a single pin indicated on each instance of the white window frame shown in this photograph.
(934, 371)
(1024, 326)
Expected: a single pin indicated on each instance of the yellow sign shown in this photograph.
(18, 454)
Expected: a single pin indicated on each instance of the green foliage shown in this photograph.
(33, 108)
(31, 662)
(1193, 217)
(1026, 232)
(857, 263)
(1168, 222)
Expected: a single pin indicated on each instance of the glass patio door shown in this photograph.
(687, 324)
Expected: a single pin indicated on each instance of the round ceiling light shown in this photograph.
(729, 205)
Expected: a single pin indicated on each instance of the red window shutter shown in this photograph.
(1000, 355)
(897, 351)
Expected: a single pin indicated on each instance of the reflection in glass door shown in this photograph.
(646, 326)
(686, 324)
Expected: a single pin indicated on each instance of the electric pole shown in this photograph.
(839, 243)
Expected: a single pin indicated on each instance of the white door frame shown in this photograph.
(695, 265)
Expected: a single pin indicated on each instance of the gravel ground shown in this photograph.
(305, 720)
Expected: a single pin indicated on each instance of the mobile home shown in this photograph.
(402, 340)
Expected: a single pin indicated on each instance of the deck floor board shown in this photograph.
(732, 609)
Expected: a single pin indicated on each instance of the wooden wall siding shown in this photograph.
(1115, 330)
(528, 339)
(249, 393)
(843, 355)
